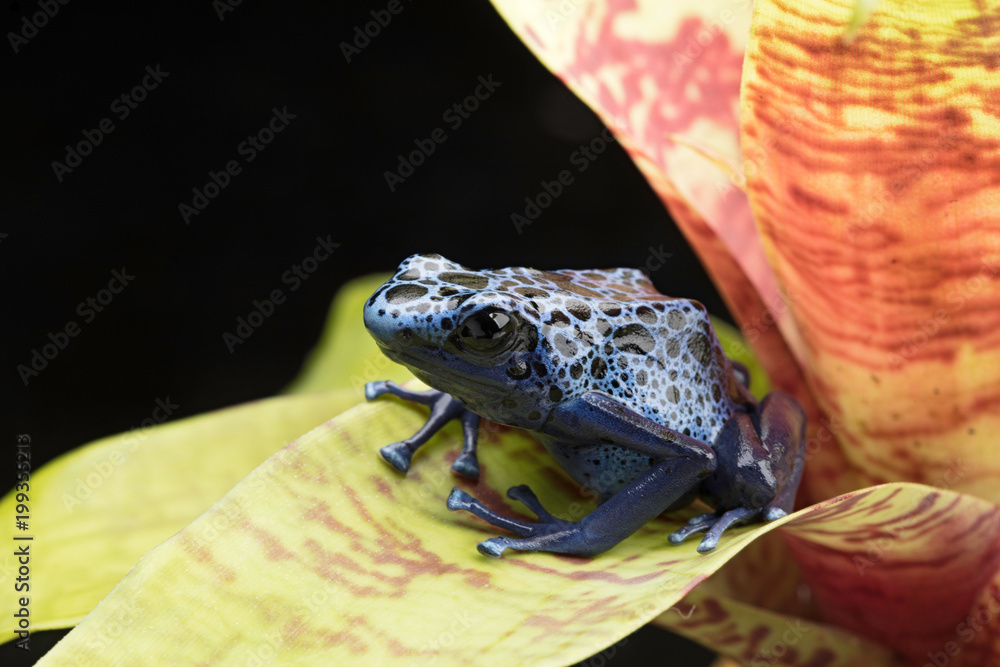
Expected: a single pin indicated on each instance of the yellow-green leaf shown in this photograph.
(98, 509)
(323, 556)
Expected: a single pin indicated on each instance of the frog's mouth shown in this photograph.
(440, 376)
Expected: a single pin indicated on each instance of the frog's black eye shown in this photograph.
(487, 332)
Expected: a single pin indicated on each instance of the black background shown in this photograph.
(321, 176)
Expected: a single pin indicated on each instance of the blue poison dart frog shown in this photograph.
(628, 389)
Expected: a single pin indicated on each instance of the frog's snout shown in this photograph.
(381, 327)
(391, 334)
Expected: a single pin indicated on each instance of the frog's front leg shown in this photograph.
(444, 408)
(679, 464)
(760, 463)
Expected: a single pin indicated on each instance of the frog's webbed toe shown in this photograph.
(548, 534)
(715, 525)
(444, 408)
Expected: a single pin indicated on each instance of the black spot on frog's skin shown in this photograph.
(676, 319)
(575, 371)
(646, 314)
(598, 369)
(509, 403)
(567, 348)
(673, 395)
(611, 309)
(540, 369)
(559, 319)
(603, 327)
(531, 292)
(404, 294)
(608, 350)
(641, 378)
(700, 348)
(578, 309)
(374, 296)
(411, 274)
(534, 415)
(448, 291)
(673, 348)
(555, 394)
(470, 280)
(519, 371)
(446, 323)
(456, 301)
(634, 339)
(716, 392)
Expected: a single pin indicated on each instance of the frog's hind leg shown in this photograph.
(614, 520)
(444, 408)
(758, 472)
(678, 464)
(460, 500)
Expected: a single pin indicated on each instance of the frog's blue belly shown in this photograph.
(605, 469)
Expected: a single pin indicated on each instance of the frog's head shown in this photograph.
(458, 331)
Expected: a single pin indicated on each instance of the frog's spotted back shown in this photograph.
(419, 274)
(597, 330)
